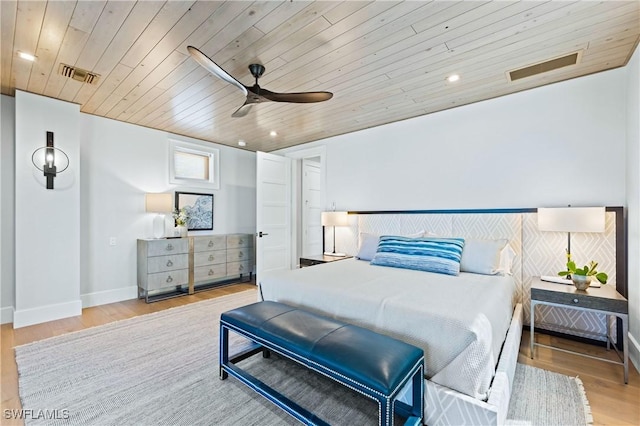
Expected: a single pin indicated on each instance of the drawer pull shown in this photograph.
(210, 243)
(575, 300)
(169, 247)
(169, 263)
(240, 241)
(211, 257)
(240, 268)
(240, 254)
(169, 279)
(211, 272)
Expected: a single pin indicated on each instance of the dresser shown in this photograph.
(178, 266)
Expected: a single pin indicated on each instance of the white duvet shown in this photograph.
(460, 322)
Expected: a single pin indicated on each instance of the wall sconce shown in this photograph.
(158, 203)
(44, 159)
(334, 219)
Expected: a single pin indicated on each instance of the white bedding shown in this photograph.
(460, 322)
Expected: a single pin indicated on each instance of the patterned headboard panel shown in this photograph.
(538, 253)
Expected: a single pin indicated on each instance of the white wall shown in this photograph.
(552, 146)
(7, 275)
(122, 162)
(47, 231)
(633, 201)
(113, 166)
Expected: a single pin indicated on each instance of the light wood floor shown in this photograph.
(612, 402)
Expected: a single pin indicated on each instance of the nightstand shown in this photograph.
(605, 300)
(317, 260)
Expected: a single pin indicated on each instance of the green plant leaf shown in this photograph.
(571, 266)
(602, 277)
(563, 273)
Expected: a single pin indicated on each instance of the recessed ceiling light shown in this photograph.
(453, 77)
(242, 143)
(273, 133)
(27, 56)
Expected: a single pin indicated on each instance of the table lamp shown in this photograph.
(161, 204)
(334, 219)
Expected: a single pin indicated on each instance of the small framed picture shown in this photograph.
(199, 209)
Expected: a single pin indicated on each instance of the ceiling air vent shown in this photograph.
(546, 66)
(78, 74)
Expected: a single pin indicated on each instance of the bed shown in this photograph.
(470, 358)
(459, 321)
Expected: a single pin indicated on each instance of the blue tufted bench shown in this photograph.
(374, 365)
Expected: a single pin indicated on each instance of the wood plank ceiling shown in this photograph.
(384, 61)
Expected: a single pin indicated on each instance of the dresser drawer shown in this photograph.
(238, 255)
(237, 268)
(167, 279)
(204, 258)
(211, 272)
(165, 247)
(209, 242)
(239, 240)
(167, 263)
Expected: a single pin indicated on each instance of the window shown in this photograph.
(194, 165)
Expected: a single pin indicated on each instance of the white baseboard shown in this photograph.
(634, 351)
(6, 315)
(25, 317)
(109, 296)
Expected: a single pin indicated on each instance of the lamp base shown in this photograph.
(327, 253)
(158, 226)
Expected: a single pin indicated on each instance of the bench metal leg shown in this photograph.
(224, 351)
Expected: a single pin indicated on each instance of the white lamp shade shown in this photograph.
(158, 203)
(572, 219)
(334, 219)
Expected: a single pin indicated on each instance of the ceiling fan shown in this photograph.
(255, 94)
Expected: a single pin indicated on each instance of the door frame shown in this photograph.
(296, 189)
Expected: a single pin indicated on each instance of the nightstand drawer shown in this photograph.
(580, 300)
(309, 262)
(211, 272)
(165, 247)
(167, 263)
(215, 257)
(213, 242)
(167, 279)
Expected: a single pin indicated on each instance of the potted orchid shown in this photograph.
(180, 217)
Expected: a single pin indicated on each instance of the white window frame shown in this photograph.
(191, 148)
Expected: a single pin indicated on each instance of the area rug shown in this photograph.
(162, 369)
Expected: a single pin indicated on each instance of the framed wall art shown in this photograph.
(199, 208)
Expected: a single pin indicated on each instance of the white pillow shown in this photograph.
(507, 255)
(482, 256)
(368, 244)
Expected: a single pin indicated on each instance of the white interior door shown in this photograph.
(273, 213)
(311, 207)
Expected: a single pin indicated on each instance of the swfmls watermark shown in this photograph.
(15, 414)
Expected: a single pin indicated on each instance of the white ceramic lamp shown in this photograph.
(334, 219)
(161, 204)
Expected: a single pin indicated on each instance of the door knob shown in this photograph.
(261, 234)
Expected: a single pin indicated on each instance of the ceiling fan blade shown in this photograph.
(214, 68)
(300, 98)
(242, 111)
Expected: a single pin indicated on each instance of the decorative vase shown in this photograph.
(581, 282)
(182, 231)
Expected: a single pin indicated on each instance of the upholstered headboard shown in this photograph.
(538, 253)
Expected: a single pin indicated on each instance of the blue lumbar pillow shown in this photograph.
(440, 255)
